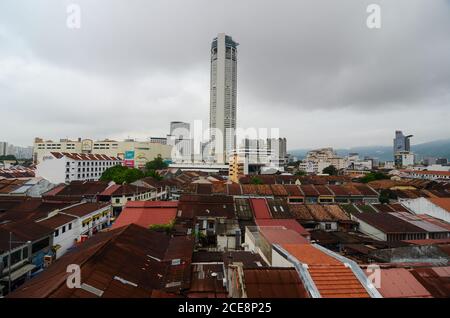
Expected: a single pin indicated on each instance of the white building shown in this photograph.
(404, 159)
(76, 222)
(436, 207)
(319, 159)
(65, 167)
(137, 153)
(223, 96)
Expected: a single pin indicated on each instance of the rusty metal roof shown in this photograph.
(127, 262)
(273, 283)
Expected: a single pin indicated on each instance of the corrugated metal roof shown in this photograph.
(273, 283)
(147, 213)
(399, 283)
(260, 208)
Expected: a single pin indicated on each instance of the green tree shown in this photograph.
(300, 173)
(156, 164)
(386, 195)
(154, 174)
(121, 174)
(8, 157)
(256, 180)
(331, 170)
(373, 176)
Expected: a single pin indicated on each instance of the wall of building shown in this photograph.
(423, 206)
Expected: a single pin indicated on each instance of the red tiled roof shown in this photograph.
(260, 208)
(147, 213)
(332, 278)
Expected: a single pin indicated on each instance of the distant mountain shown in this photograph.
(436, 149)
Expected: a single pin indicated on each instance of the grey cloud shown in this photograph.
(135, 65)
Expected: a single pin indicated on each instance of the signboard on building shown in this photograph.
(129, 159)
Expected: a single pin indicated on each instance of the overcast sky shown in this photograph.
(311, 68)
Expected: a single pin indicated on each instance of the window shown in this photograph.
(328, 226)
(70, 226)
(117, 200)
(63, 229)
(40, 245)
(57, 233)
(25, 252)
(16, 257)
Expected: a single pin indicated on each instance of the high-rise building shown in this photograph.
(223, 96)
(3, 148)
(180, 130)
(401, 142)
(180, 138)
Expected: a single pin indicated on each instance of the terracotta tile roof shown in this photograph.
(293, 190)
(273, 283)
(249, 189)
(319, 213)
(336, 212)
(300, 212)
(323, 190)
(365, 190)
(309, 190)
(278, 190)
(332, 278)
(339, 190)
(264, 189)
(147, 213)
(352, 190)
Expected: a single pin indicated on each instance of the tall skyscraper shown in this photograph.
(401, 142)
(223, 99)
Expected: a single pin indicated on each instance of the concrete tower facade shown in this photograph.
(223, 96)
